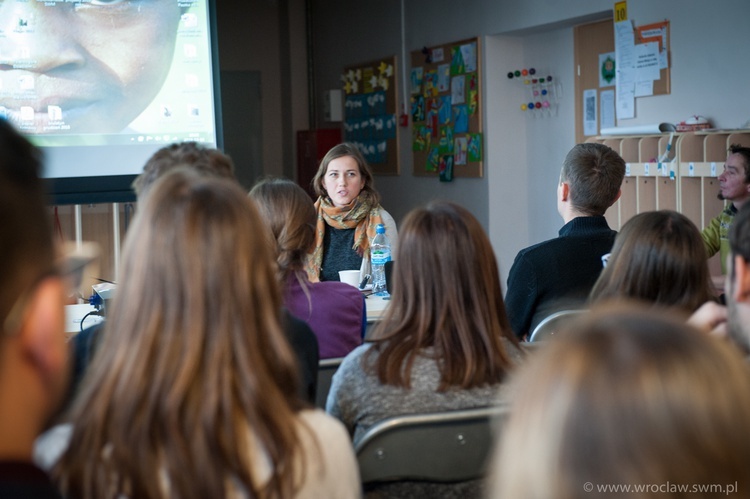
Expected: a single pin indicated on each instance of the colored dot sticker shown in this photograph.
(536, 92)
(525, 82)
(538, 105)
(544, 92)
(524, 72)
(532, 71)
(549, 78)
(545, 104)
(510, 74)
(517, 73)
(524, 107)
(531, 105)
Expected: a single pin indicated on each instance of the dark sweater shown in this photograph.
(557, 274)
(338, 253)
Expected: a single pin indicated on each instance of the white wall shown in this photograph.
(516, 199)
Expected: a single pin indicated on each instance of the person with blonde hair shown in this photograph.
(444, 343)
(335, 311)
(627, 402)
(349, 211)
(658, 258)
(193, 391)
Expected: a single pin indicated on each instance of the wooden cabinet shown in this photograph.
(673, 172)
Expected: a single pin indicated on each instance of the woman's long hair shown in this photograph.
(290, 215)
(446, 295)
(193, 387)
(626, 396)
(658, 258)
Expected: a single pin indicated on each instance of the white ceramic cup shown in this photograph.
(350, 277)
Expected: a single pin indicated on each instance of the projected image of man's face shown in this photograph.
(88, 66)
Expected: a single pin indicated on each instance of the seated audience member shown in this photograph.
(559, 273)
(34, 360)
(348, 209)
(193, 390)
(205, 160)
(734, 319)
(209, 162)
(658, 258)
(444, 342)
(734, 186)
(335, 311)
(628, 397)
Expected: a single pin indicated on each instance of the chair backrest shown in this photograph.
(447, 446)
(551, 324)
(326, 370)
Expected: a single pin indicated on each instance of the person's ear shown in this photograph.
(564, 191)
(619, 193)
(42, 333)
(741, 287)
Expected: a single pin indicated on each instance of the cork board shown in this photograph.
(446, 110)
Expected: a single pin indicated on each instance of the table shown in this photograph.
(74, 314)
(376, 306)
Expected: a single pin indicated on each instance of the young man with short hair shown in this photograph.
(559, 273)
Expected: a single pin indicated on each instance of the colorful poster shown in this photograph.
(444, 109)
(475, 147)
(445, 146)
(460, 119)
(458, 89)
(458, 67)
(416, 80)
(417, 108)
(433, 160)
(432, 107)
(429, 84)
(473, 94)
(460, 150)
(469, 55)
(446, 168)
(443, 77)
(421, 138)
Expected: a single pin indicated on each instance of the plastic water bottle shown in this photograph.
(380, 252)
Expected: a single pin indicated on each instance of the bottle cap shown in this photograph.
(380, 229)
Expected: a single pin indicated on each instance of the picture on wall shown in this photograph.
(446, 110)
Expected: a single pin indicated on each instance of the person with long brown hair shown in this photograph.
(335, 311)
(349, 211)
(658, 258)
(629, 401)
(193, 391)
(444, 343)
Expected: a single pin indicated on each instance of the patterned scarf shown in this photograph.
(358, 215)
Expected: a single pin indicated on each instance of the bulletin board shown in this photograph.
(659, 33)
(446, 110)
(370, 106)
